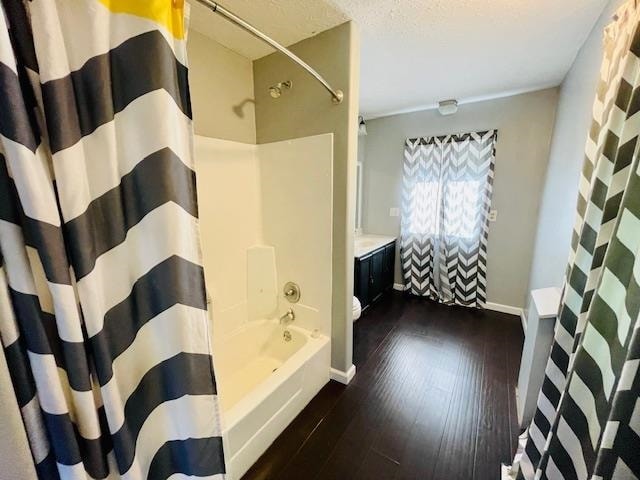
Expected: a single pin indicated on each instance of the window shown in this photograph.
(425, 209)
(446, 195)
(462, 204)
(460, 201)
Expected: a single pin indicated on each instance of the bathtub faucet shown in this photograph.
(288, 317)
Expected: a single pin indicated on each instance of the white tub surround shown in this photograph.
(365, 244)
(262, 282)
(264, 383)
(265, 221)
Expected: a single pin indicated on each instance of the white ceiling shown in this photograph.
(286, 21)
(417, 52)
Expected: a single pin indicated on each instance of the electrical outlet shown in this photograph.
(493, 215)
(394, 212)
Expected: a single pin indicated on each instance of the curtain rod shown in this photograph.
(337, 95)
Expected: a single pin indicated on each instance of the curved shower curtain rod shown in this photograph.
(337, 95)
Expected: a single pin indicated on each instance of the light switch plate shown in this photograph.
(394, 212)
(493, 215)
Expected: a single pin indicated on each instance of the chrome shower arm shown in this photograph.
(337, 95)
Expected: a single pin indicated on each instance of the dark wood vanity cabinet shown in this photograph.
(374, 274)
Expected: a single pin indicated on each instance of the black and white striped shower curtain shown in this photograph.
(587, 422)
(102, 299)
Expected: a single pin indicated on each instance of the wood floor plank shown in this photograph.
(493, 445)
(280, 453)
(457, 452)
(433, 398)
(310, 459)
(425, 437)
(372, 328)
(396, 385)
(513, 341)
(425, 372)
(376, 466)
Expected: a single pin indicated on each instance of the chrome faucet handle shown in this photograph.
(291, 292)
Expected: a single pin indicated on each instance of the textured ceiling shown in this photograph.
(286, 21)
(416, 52)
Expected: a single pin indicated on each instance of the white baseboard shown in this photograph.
(498, 307)
(343, 377)
(523, 320)
(519, 411)
(398, 286)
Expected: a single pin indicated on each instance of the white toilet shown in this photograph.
(357, 309)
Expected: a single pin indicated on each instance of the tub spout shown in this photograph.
(288, 317)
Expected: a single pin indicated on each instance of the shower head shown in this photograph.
(276, 90)
(237, 109)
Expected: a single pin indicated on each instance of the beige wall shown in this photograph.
(307, 110)
(558, 209)
(220, 81)
(524, 124)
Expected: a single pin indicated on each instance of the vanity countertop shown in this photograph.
(365, 244)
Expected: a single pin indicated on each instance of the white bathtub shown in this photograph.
(263, 383)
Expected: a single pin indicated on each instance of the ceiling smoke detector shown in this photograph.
(448, 107)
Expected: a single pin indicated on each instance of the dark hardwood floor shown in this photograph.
(433, 398)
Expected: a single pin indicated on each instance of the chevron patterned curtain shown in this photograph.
(587, 423)
(447, 185)
(102, 300)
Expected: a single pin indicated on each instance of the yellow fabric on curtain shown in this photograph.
(169, 13)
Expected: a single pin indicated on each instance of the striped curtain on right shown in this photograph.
(587, 422)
